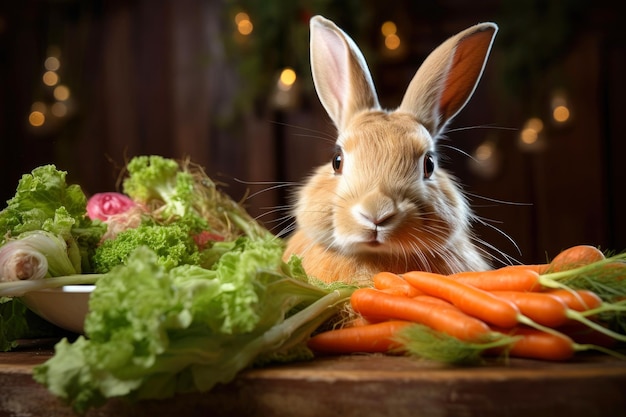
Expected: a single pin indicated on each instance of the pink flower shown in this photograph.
(104, 205)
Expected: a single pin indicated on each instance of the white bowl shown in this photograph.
(65, 306)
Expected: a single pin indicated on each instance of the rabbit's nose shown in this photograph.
(376, 211)
(379, 219)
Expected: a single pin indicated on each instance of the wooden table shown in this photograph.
(362, 386)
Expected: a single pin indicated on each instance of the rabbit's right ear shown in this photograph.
(448, 77)
(340, 74)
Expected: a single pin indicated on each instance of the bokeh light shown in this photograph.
(244, 24)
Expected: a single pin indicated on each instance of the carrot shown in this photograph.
(393, 290)
(548, 310)
(574, 257)
(373, 303)
(471, 300)
(368, 338)
(391, 281)
(538, 268)
(434, 300)
(536, 344)
(556, 346)
(579, 300)
(503, 279)
(540, 307)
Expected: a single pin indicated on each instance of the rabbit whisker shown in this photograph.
(319, 134)
(495, 200)
(463, 128)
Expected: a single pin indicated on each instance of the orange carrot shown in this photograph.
(374, 303)
(503, 279)
(540, 307)
(538, 268)
(388, 280)
(471, 300)
(578, 300)
(574, 257)
(535, 344)
(369, 338)
(551, 312)
(434, 300)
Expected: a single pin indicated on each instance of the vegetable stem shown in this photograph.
(19, 288)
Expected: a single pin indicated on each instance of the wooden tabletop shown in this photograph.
(360, 385)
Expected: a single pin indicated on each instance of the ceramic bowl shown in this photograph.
(65, 306)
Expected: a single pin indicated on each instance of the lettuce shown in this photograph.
(173, 243)
(44, 201)
(152, 332)
(45, 218)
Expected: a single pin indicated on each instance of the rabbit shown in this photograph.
(382, 203)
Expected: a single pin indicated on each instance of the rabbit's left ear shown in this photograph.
(342, 79)
(448, 77)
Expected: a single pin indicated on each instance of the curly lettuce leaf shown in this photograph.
(44, 201)
(173, 243)
(153, 332)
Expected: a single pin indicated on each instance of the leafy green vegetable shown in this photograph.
(153, 332)
(155, 178)
(44, 201)
(52, 247)
(189, 295)
(45, 222)
(173, 243)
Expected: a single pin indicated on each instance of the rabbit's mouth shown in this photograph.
(373, 243)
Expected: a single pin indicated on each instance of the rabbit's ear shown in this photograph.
(448, 77)
(340, 74)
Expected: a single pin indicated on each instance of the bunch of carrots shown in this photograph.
(548, 311)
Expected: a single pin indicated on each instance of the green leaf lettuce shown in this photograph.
(153, 332)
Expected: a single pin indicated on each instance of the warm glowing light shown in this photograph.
(530, 133)
(52, 63)
(50, 78)
(36, 118)
(388, 28)
(561, 109)
(484, 151)
(59, 109)
(560, 114)
(392, 42)
(529, 136)
(535, 124)
(61, 93)
(241, 16)
(287, 79)
(244, 24)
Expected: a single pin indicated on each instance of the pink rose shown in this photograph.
(104, 205)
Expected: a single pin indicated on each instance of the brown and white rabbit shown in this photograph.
(382, 203)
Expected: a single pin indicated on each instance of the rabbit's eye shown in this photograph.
(429, 165)
(337, 162)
